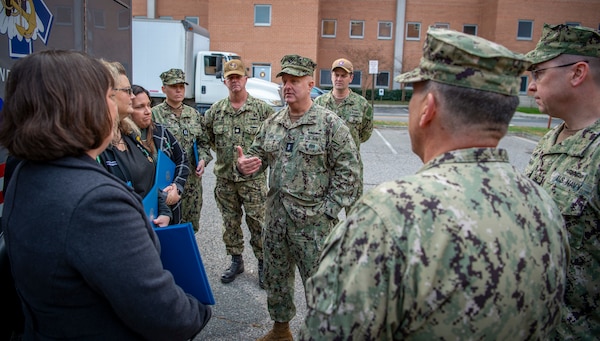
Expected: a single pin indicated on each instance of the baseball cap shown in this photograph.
(342, 63)
(564, 39)
(296, 65)
(173, 76)
(464, 60)
(234, 67)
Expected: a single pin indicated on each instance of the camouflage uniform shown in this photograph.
(468, 248)
(186, 128)
(313, 170)
(356, 111)
(569, 171)
(225, 129)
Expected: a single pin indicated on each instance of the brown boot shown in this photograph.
(280, 332)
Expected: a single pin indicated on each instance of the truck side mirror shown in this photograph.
(219, 74)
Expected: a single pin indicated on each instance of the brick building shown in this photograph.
(391, 32)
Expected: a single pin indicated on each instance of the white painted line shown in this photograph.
(526, 139)
(386, 142)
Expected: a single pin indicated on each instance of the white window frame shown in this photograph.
(124, 20)
(193, 20)
(257, 7)
(573, 23)
(362, 34)
(382, 86)
(323, 28)
(391, 26)
(325, 77)
(471, 25)
(524, 84)
(417, 28)
(520, 28)
(99, 18)
(442, 25)
(356, 75)
(63, 16)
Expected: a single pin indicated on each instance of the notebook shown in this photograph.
(165, 170)
(181, 256)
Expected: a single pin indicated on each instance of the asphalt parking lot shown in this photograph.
(240, 312)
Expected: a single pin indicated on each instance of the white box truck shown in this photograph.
(162, 44)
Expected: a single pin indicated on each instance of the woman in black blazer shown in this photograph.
(85, 259)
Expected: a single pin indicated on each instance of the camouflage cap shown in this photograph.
(173, 76)
(344, 64)
(460, 59)
(296, 65)
(564, 39)
(234, 67)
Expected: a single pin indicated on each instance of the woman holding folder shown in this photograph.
(85, 265)
(171, 176)
(127, 158)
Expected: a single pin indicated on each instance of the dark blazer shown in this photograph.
(86, 260)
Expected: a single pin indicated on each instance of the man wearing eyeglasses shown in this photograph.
(566, 162)
(185, 123)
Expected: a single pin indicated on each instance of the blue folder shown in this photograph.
(165, 170)
(195, 156)
(150, 203)
(181, 256)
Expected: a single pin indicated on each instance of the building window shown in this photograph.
(63, 16)
(385, 30)
(382, 80)
(262, 15)
(325, 77)
(525, 30)
(441, 25)
(523, 86)
(193, 20)
(470, 29)
(413, 31)
(328, 28)
(124, 20)
(98, 16)
(166, 17)
(357, 29)
(357, 79)
(573, 23)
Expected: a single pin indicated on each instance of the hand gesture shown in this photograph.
(247, 165)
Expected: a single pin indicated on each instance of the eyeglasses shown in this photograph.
(129, 91)
(536, 73)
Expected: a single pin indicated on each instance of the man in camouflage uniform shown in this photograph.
(465, 249)
(185, 123)
(230, 122)
(566, 162)
(350, 106)
(313, 170)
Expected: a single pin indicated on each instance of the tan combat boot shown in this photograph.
(280, 332)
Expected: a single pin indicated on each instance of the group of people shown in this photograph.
(470, 247)
(467, 248)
